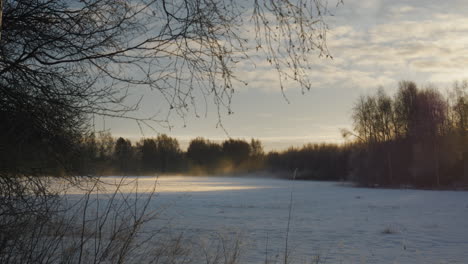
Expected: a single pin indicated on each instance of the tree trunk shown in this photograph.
(1, 17)
(390, 170)
(436, 156)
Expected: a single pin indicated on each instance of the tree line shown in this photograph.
(105, 155)
(416, 137)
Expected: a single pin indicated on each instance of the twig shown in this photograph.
(289, 220)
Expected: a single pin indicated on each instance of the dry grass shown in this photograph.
(389, 230)
(116, 228)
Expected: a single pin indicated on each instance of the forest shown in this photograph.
(414, 138)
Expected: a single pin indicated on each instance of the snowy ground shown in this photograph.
(341, 224)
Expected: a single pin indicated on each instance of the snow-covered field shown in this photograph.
(338, 223)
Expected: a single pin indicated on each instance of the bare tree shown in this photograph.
(92, 52)
(62, 62)
(1, 16)
(460, 109)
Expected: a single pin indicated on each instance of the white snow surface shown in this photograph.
(337, 222)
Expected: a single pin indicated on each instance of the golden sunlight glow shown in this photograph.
(167, 184)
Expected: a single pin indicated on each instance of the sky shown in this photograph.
(373, 43)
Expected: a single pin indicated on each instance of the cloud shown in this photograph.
(373, 43)
(404, 40)
(405, 44)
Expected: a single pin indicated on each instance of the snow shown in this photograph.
(337, 222)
